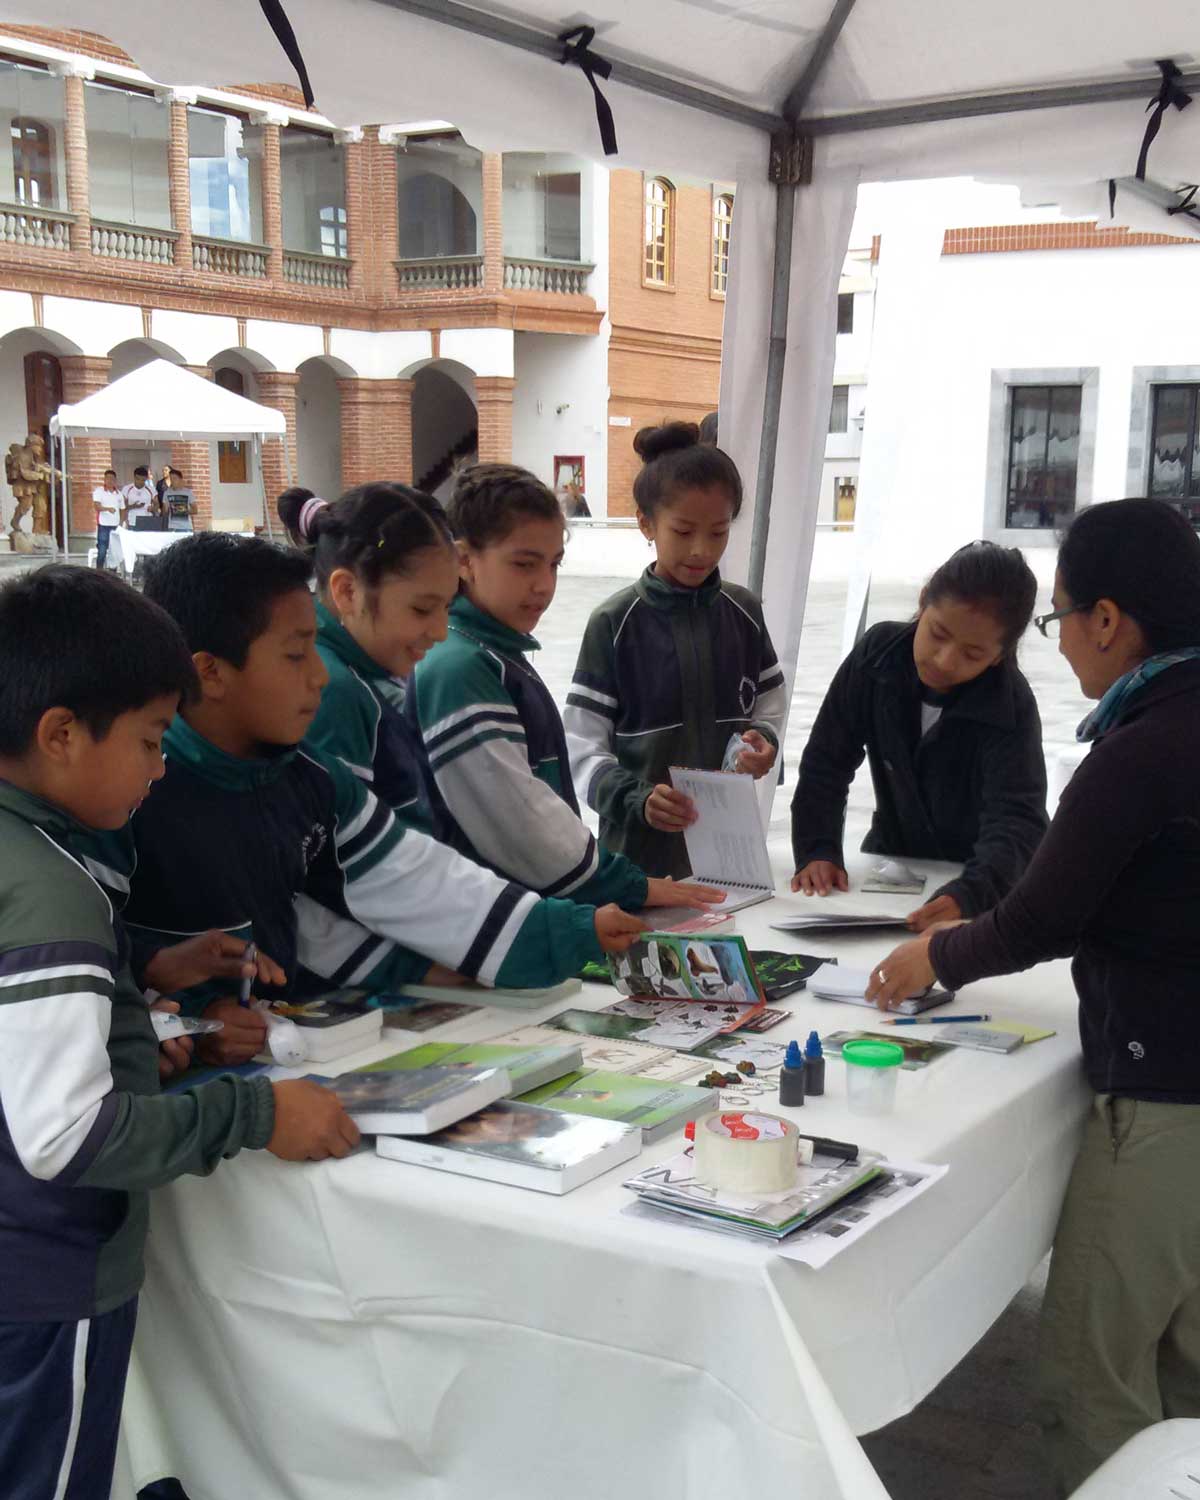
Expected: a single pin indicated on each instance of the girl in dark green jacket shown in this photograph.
(677, 669)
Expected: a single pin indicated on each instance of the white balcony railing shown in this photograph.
(42, 228)
(440, 273)
(132, 242)
(522, 274)
(229, 257)
(328, 271)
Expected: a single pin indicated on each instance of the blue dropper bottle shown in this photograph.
(791, 1077)
(814, 1065)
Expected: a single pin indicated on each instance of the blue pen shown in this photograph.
(929, 1020)
(250, 956)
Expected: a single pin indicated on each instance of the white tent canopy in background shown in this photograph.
(162, 402)
(832, 61)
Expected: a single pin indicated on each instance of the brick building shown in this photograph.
(405, 300)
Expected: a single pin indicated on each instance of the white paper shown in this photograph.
(726, 844)
(847, 1223)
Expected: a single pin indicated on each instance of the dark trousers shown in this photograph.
(61, 1388)
(102, 535)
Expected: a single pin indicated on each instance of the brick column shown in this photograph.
(73, 73)
(493, 399)
(179, 179)
(87, 458)
(493, 222)
(277, 389)
(194, 462)
(376, 431)
(357, 231)
(378, 245)
(272, 191)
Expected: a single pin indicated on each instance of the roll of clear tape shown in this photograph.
(742, 1151)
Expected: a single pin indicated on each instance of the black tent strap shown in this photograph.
(577, 49)
(1169, 94)
(282, 27)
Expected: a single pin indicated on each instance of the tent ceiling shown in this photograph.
(372, 61)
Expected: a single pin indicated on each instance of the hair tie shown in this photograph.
(307, 511)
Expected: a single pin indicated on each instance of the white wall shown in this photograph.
(1110, 310)
(554, 370)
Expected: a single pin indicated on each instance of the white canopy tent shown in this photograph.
(1052, 97)
(162, 402)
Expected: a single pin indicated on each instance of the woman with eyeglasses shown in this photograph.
(951, 730)
(1115, 884)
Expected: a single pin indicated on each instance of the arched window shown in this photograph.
(722, 227)
(33, 161)
(436, 218)
(660, 228)
(232, 467)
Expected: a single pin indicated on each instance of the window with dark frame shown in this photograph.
(845, 322)
(1175, 448)
(839, 409)
(1043, 455)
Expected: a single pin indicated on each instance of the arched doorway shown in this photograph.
(319, 427)
(31, 391)
(445, 424)
(236, 478)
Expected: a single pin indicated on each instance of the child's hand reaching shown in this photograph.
(208, 955)
(310, 1124)
(760, 757)
(668, 892)
(174, 1055)
(616, 930)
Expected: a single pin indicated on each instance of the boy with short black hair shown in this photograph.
(248, 819)
(92, 676)
(139, 497)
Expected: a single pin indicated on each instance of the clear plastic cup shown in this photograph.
(871, 1072)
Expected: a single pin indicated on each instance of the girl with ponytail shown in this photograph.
(386, 573)
(677, 669)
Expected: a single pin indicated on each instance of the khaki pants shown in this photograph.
(1120, 1333)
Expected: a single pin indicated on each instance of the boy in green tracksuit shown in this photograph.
(92, 675)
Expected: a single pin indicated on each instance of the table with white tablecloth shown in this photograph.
(366, 1328)
(126, 545)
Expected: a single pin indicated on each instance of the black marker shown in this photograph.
(843, 1150)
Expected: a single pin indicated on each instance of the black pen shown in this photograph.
(843, 1150)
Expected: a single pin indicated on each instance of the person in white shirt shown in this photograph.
(107, 499)
(139, 497)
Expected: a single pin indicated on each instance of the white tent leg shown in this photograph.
(262, 484)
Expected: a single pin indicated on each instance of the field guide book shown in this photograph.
(417, 1101)
(658, 1108)
(706, 967)
(523, 1145)
(527, 1067)
(726, 844)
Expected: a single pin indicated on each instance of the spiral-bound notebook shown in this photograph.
(726, 844)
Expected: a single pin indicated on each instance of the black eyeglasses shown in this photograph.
(1048, 624)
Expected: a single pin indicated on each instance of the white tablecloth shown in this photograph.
(366, 1328)
(125, 545)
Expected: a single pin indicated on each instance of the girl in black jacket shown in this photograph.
(952, 733)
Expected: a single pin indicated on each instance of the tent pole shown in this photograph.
(262, 484)
(785, 209)
(546, 44)
(785, 214)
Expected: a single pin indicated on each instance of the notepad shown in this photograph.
(726, 844)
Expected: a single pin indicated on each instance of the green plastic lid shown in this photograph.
(867, 1054)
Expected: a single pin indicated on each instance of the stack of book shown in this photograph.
(671, 1187)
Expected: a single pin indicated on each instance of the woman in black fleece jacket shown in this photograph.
(1115, 884)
